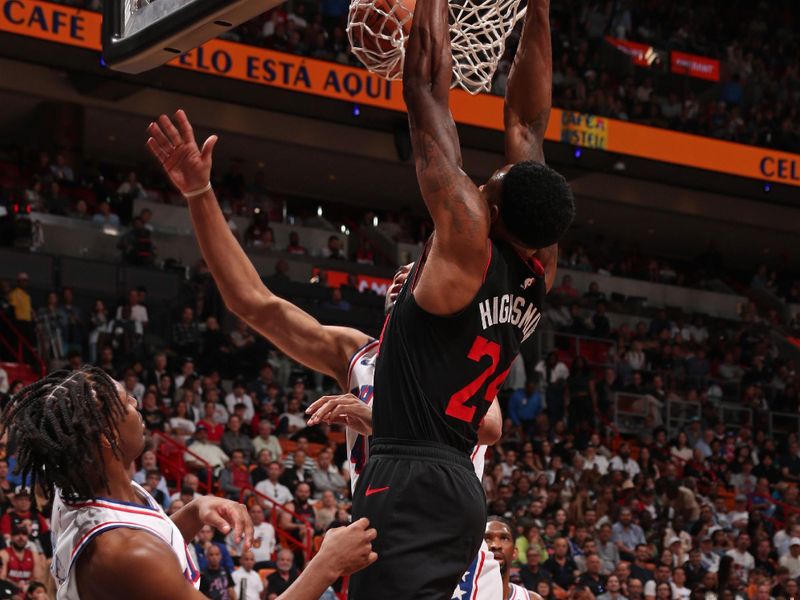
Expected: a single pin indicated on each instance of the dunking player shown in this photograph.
(499, 536)
(346, 354)
(460, 319)
(79, 431)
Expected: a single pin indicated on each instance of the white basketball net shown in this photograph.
(478, 32)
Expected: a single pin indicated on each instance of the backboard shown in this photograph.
(143, 34)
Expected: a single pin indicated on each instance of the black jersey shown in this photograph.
(436, 376)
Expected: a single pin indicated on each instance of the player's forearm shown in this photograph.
(529, 90)
(237, 279)
(312, 583)
(187, 520)
(428, 63)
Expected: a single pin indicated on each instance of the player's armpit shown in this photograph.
(129, 564)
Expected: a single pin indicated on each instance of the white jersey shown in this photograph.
(360, 380)
(75, 525)
(517, 592)
(482, 581)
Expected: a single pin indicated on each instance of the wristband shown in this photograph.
(199, 192)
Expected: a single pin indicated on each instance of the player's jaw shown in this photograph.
(397, 284)
(500, 543)
(130, 426)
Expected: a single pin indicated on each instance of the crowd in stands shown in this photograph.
(755, 102)
(689, 504)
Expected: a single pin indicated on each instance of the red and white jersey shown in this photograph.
(360, 380)
(517, 592)
(74, 526)
(20, 570)
(483, 580)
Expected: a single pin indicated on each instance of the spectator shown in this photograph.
(613, 589)
(593, 578)
(662, 576)
(137, 245)
(272, 488)
(525, 405)
(325, 511)
(26, 561)
(266, 441)
(263, 538)
(212, 454)
(601, 326)
(607, 550)
(742, 559)
(131, 187)
(25, 515)
(185, 335)
(624, 462)
(216, 581)
(566, 289)
(235, 478)
(238, 396)
(626, 534)
(293, 420)
(791, 561)
(294, 246)
(245, 578)
(283, 577)
(297, 472)
(20, 301)
(326, 476)
(334, 249)
(561, 567)
(336, 302)
(104, 216)
(532, 573)
(236, 439)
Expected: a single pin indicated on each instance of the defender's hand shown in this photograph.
(188, 168)
(344, 409)
(346, 550)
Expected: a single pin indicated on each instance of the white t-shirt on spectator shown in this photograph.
(560, 371)
(781, 542)
(599, 462)
(631, 467)
(791, 563)
(231, 401)
(263, 535)
(211, 453)
(254, 584)
(138, 314)
(275, 491)
(743, 560)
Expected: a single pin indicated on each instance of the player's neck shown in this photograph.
(119, 485)
(506, 585)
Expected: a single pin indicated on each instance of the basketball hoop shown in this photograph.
(378, 31)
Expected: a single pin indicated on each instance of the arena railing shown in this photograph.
(307, 544)
(176, 465)
(22, 344)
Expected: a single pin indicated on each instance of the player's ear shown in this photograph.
(494, 212)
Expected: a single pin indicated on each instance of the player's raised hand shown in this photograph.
(172, 142)
(226, 516)
(344, 409)
(346, 550)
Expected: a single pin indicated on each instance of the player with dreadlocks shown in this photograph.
(77, 434)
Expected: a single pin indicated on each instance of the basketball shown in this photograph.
(379, 29)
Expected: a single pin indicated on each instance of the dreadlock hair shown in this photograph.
(57, 424)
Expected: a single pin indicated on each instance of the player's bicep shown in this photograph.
(126, 564)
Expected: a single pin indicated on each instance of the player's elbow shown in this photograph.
(248, 305)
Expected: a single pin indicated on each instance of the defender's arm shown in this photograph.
(460, 249)
(292, 330)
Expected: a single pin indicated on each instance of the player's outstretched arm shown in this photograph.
(344, 550)
(292, 330)
(460, 249)
(491, 428)
(529, 95)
